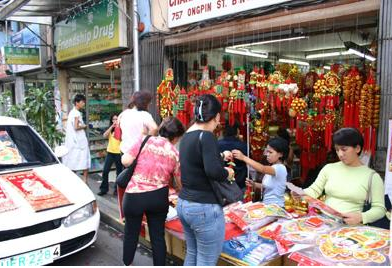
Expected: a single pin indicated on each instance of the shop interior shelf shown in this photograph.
(97, 138)
(98, 148)
(97, 156)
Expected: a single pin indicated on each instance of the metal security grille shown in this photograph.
(384, 70)
(151, 67)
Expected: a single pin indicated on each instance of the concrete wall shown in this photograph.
(384, 79)
(63, 84)
(159, 15)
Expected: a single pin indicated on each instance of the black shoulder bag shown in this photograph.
(384, 221)
(125, 176)
(226, 192)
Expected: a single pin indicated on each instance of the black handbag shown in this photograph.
(380, 223)
(226, 192)
(125, 176)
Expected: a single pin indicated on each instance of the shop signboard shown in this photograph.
(388, 169)
(21, 55)
(24, 53)
(100, 28)
(181, 12)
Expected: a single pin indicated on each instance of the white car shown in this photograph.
(46, 211)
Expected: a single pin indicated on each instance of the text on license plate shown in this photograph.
(33, 258)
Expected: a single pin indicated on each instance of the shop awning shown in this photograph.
(35, 8)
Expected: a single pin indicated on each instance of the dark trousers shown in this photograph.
(155, 204)
(109, 160)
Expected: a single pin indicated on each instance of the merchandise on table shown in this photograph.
(240, 246)
(326, 210)
(293, 235)
(252, 216)
(357, 245)
(262, 253)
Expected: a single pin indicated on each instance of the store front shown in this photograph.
(270, 64)
(89, 49)
(310, 69)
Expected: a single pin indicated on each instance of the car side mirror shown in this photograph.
(60, 151)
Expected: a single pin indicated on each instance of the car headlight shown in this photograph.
(81, 214)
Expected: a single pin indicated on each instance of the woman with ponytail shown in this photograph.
(198, 209)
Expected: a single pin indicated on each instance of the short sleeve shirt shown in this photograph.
(158, 162)
(275, 186)
(133, 124)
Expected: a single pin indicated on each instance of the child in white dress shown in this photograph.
(78, 157)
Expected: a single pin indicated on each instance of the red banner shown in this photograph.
(6, 202)
(39, 193)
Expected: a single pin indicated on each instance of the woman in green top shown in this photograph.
(346, 182)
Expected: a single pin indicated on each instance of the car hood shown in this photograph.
(62, 179)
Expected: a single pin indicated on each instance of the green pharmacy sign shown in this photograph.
(99, 29)
(21, 55)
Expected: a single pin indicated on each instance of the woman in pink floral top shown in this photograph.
(148, 190)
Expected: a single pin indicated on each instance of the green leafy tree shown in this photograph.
(13, 110)
(39, 111)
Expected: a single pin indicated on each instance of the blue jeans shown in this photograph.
(109, 160)
(204, 229)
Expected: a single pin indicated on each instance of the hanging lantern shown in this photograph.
(166, 95)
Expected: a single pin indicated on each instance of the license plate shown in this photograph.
(33, 258)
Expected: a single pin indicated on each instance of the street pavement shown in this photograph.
(107, 250)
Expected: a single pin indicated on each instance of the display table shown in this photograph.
(176, 246)
(266, 235)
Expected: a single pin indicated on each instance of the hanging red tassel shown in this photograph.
(356, 116)
(278, 103)
(292, 123)
(304, 164)
(352, 115)
(366, 140)
(322, 102)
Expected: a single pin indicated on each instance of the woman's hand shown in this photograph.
(238, 155)
(352, 218)
(254, 184)
(227, 156)
(296, 197)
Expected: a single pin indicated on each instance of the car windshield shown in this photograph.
(21, 147)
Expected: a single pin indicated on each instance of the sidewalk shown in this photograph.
(107, 205)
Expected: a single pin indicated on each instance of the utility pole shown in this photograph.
(136, 47)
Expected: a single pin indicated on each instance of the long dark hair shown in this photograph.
(207, 107)
(111, 120)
